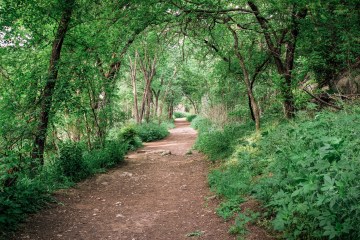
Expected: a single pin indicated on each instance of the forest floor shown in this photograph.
(153, 195)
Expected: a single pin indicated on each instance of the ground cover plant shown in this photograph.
(304, 172)
(148, 132)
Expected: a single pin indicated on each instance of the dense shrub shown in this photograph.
(315, 168)
(152, 131)
(190, 117)
(305, 172)
(169, 123)
(129, 135)
(98, 160)
(201, 124)
(25, 196)
(179, 114)
(20, 194)
(215, 144)
(71, 162)
(116, 151)
(28, 194)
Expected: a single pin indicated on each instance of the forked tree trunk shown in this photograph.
(284, 67)
(148, 68)
(48, 91)
(156, 105)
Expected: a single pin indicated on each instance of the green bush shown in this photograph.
(26, 196)
(180, 114)
(201, 124)
(19, 194)
(71, 162)
(191, 117)
(169, 124)
(100, 159)
(116, 151)
(313, 191)
(305, 172)
(227, 209)
(130, 136)
(215, 144)
(29, 194)
(152, 131)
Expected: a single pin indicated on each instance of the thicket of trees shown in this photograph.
(77, 70)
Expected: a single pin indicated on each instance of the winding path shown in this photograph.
(155, 195)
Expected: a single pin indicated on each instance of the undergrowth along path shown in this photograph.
(155, 195)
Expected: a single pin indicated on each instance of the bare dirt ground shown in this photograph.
(155, 195)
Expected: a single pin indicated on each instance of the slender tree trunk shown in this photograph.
(48, 91)
(254, 109)
(133, 81)
(156, 107)
(170, 110)
(88, 132)
(148, 68)
(148, 106)
(194, 105)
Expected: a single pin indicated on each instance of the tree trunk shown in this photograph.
(193, 104)
(170, 111)
(284, 67)
(148, 106)
(254, 109)
(148, 68)
(48, 91)
(156, 105)
(133, 81)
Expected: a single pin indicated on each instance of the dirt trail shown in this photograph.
(153, 196)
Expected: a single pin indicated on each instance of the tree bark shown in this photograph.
(133, 81)
(284, 67)
(48, 91)
(254, 109)
(148, 68)
(157, 96)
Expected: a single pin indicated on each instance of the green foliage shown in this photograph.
(314, 169)
(201, 124)
(180, 115)
(151, 131)
(99, 160)
(169, 124)
(129, 135)
(190, 117)
(227, 209)
(21, 194)
(71, 162)
(305, 172)
(217, 144)
(310, 165)
(26, 196)
(241, 220)
(231, 180)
